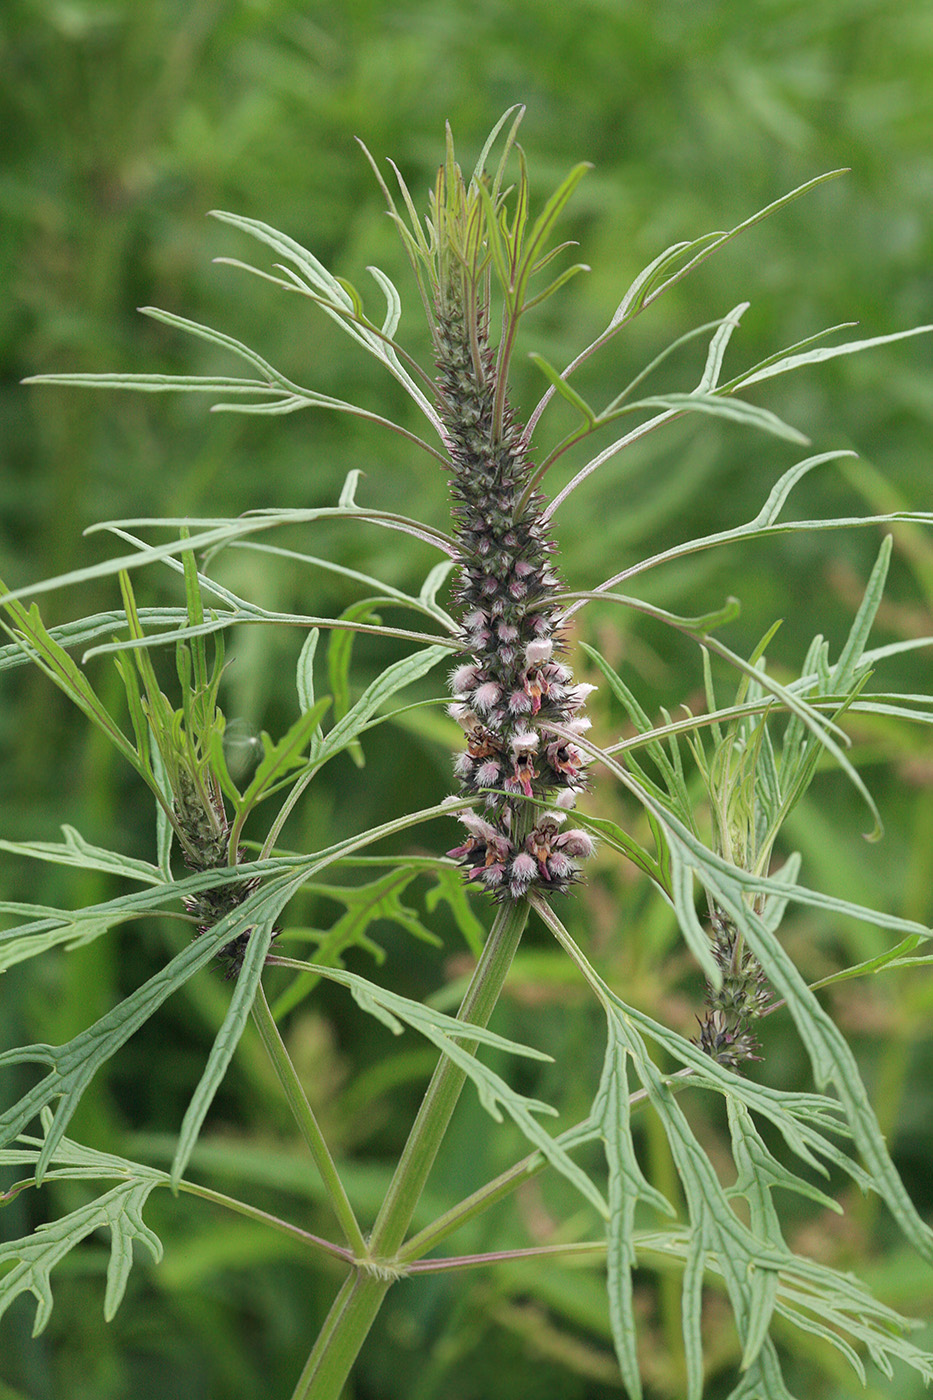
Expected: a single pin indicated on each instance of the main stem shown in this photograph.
(360, 1298)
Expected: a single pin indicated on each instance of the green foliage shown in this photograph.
(119, 1210)
(704, 801)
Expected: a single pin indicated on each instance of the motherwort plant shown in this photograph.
(714, 790)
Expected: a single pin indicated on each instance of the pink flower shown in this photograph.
(576, 843)
(577, 697)
(523, 772)
(463, 766)
(486, 696)
(560, 868)
(538, 651)
(564, 758)
(463, 680)
(522, 874)
(463, 715)
(478, 827)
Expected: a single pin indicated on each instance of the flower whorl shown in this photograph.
(512, 691)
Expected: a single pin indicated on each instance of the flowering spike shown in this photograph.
(511, 691)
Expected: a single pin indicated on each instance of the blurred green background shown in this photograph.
(124, 123)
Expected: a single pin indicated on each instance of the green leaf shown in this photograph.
(788, 350)
(334, 300)
(717, 348)
(445, 1033)
(217, 534)
(74, 850)
(225, 1043)
(157, 383)
(819, 1301)
(378, 900)
(516, 112)
(39, 644)
(72, 1066)
(451, 888)
(119, 1210)
(615, 836)
(542, 227)
(762, 1275)
(560, 281)
(339, 658)
(73, 635)
(393, 679)
(638, 294)
(642, 723)
(850, 658)
(664, 272)
(718, 407)
(825, 352)
(567, 393)
(896, 957)
(393, 304)
(274, 380)
(50, 928)
(427, 596)
(712, 242)
(280, 759)
(305, 672)
(830, 1055)
(714, 1227)
(628, 1186)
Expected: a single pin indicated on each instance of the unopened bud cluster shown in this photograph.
(725, 1031)
(513, 696)
(203, 822)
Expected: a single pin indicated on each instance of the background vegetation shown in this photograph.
(125, 123)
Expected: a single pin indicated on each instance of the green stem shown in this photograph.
(481, 1200)
(417, 1246)
(308, 1124)
(265, 1218)
(588, 1248)
(344, 1332)
(447, 1081)
(286, 809)
(359, 1300)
